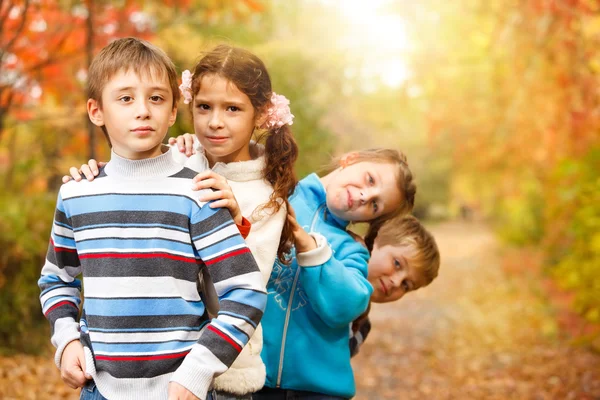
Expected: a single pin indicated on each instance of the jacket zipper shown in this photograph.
(289, 307)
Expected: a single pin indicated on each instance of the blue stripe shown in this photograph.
(63, 225)
(54, 287)
(173, 227)
(174, 328)
(136, 244)
(248, 297)
(60, 205)
(242, 338)
(131, 202)
(50, 278)
(143, 348)
(208, 252)
(218, 228)
(204, 213)
(142, 307)
(62, 241)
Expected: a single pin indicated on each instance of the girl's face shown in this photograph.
(363, 191)
(224, 120)
(392, 272)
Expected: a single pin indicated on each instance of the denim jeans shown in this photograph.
(218, 395)
(285, 394)
(90, 392)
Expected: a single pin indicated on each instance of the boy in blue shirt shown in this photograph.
(138, 235)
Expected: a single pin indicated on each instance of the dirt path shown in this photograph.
(473, 334)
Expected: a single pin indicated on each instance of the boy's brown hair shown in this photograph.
(130, 54)
(405, 230)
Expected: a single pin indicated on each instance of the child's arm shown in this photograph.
(61, 296)
(242, 299)
(337, 287)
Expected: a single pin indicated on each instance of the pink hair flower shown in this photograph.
(278, 114)
(186, 86)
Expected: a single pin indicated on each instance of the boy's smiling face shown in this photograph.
(137, 112)
(392, 272)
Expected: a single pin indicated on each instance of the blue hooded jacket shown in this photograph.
(310, 307)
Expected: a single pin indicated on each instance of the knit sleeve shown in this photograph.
(60, 295)
(242, 299)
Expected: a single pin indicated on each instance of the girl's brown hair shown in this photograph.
(249, 74)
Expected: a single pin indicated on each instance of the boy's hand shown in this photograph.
(185, 143)
(223, 195)
(72, 365)
(90, 170)
(178, 392)
(302, 240)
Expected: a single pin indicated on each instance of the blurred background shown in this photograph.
(495, 102)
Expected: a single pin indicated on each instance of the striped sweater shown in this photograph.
(138, 234)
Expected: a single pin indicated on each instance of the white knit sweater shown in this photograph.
(247, 374)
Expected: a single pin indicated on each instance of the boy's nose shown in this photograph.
(142, 110)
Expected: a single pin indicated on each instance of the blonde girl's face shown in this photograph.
(363, 191)
(224, 120)
(392, 272)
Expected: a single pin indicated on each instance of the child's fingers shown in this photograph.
(75, 173)
(66, 178)
(88, 172)
(172, 141)
(101, 164)
(93, 165)
(224, 203)
(188, 139)
(181, 144)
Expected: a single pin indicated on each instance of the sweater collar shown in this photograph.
(160, 166)
(242, 171)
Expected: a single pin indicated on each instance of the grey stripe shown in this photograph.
(233, 266)
(184, 173)
(228, 306)
(144, 322)
(62, 258)
(61, 312)
(137, 267)
(131, 217)
(139, 369)
(224, 351)
(222, 216)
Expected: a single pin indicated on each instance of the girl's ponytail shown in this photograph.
(281, 152)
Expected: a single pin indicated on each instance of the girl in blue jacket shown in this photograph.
(312, 301)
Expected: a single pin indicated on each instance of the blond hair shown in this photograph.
(130, 54)
(404, 230)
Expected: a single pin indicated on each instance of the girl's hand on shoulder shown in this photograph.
(302, 240)
(89, 170)
(222, 195)
(185, 143)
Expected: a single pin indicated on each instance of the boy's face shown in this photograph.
(392, 272)
(363, 191)
(137, 112)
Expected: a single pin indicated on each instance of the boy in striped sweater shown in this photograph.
(138, 235)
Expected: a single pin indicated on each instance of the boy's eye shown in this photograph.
(375, 207)
(156, 98)
(370, 179)
(233, 108)
(397, 264)
(203, 106)
(125, 99)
